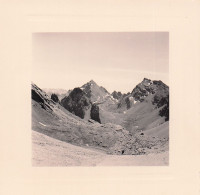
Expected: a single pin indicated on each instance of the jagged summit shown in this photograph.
(85, 101)
(146, 79)
(152, 91)
(92, 81)
(95, 92)
(147, 87)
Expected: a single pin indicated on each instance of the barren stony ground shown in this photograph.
(52, 152)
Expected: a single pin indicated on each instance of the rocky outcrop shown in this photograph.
(35, 96)
(116, 95)
(165, 112)
(161, 99)
(142, 90)
(94, 113)
(54, 97)
(164, 103)
(76, 103)
(41, 97)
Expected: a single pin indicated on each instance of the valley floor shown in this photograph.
(47, 151)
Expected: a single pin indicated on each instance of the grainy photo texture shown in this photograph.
(100, 99)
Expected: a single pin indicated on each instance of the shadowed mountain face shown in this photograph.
(132, 123)
(54, 97)
(95, 113)
(77, 102)
(86, 100)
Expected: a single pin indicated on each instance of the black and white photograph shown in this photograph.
(100, 99)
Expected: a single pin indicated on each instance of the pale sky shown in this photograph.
(114, 60)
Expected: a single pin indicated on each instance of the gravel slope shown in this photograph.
(48, 151)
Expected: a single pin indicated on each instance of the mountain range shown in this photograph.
(116, 123)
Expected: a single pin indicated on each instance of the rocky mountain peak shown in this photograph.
(90, 84)
(146, 82)
(86, 99)
(92, 81)
(155, 92)
(147, 87)
(94, 92)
